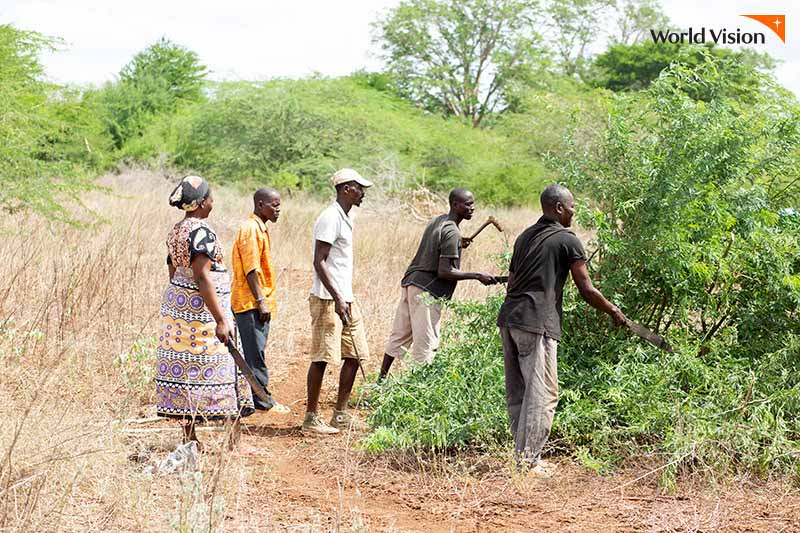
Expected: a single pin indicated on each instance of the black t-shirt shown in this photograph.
(542, 257)
(441, 238)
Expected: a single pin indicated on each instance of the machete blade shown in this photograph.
(656, 340)
(247, 372)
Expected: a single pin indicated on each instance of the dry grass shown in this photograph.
(78, 314)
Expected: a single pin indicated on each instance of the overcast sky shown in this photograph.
(240, 39)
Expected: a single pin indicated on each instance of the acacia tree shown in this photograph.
(34, 173)
(177, 67)
(458, 56)
(157, 80)
(575, 25)
(698, 229)
(636, 18)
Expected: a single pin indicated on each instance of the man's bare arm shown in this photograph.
(321, 251)
(255, 289)
(447, 271)
(580, 275)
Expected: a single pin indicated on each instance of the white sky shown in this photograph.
(241, 39)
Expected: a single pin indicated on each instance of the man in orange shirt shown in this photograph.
(253, 290)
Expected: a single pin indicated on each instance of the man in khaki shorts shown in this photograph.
(435, 271)
(335, 318)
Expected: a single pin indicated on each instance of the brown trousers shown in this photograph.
(531, 389)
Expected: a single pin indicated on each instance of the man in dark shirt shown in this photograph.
(435, 270)
(530, 319)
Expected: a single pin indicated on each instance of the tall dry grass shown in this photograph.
(78, 316)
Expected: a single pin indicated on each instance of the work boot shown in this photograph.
(314, 424)
(344, 420)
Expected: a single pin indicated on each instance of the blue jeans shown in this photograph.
(253, 333)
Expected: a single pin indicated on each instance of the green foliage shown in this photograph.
(456, 401)
(619, 399)
(157, 81)
(692, 243)
(633, 67)
(81, 136)
(175, 67)
(699, 239)
(553, 119)
(41, 148)
(457, 58)
(688, 201)
(295, 133)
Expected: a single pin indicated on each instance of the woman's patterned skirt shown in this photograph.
(195, 373)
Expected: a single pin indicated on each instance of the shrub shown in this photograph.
(456, 401)
(697, 240)
(157, 81)
(39, 166)
(305, 129)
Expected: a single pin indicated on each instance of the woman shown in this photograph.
(195, 375)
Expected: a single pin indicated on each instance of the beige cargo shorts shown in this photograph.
(330, 341)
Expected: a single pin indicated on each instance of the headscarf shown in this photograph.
(189, 192)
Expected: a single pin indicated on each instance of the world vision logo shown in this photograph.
(703, 35)
(776, 23)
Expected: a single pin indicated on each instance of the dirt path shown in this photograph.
(305, 483)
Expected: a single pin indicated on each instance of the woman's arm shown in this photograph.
(201, 268)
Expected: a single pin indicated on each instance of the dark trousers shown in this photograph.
(253, 333)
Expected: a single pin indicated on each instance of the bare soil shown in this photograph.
(79, 309)
(327, 483)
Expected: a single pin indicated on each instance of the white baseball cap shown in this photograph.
(344, 175)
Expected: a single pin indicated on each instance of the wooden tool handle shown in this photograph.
(480, 229)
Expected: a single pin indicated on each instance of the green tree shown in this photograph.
(690, 193)
(635, 20)
(576, 23)
(34, 126)
(458, 56)
(633, 67)
(174, 66)
(156, 81)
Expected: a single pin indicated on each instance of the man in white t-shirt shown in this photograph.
(336, 321)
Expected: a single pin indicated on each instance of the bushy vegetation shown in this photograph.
(632, 67)
(48, 136)
(154, 84)
(295, 133)
(685, 160)
(457, 401)
(698, 239)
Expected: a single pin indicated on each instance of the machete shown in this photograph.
(349, 325)
(656, 340)
(247, 372)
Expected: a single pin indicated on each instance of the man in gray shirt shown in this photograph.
(434, 270)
